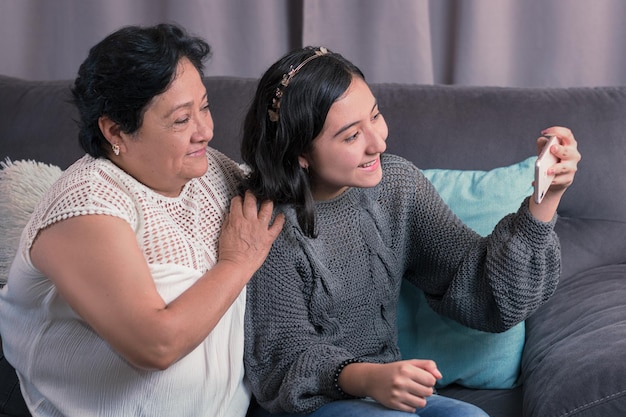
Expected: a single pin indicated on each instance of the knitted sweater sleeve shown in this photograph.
(488, 283)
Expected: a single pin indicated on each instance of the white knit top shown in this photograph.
(65, 368)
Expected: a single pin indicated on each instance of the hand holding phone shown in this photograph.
(545, 160)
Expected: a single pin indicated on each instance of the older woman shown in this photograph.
(127, 294)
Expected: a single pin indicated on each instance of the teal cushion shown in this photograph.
(466, 356)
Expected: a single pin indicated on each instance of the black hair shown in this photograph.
(124, 72)
(271, 148)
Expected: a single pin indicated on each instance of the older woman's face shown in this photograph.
(169, 148)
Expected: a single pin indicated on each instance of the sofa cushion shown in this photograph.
(22, 183)
(465, 356)
(574, 357)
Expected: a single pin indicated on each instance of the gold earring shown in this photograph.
(116, 149)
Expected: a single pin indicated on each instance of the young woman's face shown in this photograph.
(169, 148)
(347, 151)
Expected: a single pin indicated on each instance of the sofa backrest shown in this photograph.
(486, 127)
(433, 126)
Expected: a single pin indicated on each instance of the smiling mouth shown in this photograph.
(368, 164)
(196, 152)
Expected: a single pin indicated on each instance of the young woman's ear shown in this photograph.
(304, 163)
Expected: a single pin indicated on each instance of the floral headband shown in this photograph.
(274, 111)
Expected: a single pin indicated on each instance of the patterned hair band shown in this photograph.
(278, 94)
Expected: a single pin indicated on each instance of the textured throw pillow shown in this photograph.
(466, 356)
(22, 183)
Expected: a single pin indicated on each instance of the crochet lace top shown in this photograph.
(318, 302)
(67, 369)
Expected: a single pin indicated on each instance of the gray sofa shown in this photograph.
(574, 357)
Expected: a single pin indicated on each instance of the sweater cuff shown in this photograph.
(532, 229)
(338, 371)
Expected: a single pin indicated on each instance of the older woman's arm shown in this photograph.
(95, 262)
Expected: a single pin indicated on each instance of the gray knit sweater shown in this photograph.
(317, 302)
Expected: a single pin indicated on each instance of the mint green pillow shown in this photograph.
(466, 356)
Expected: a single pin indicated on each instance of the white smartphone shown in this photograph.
(544, 161)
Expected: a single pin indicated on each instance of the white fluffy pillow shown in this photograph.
(22, 183)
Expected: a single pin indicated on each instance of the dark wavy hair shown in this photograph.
(122, 74)
(271, 148)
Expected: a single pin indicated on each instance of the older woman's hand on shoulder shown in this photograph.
(248, 233)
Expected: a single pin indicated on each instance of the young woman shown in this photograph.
(321, 311)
